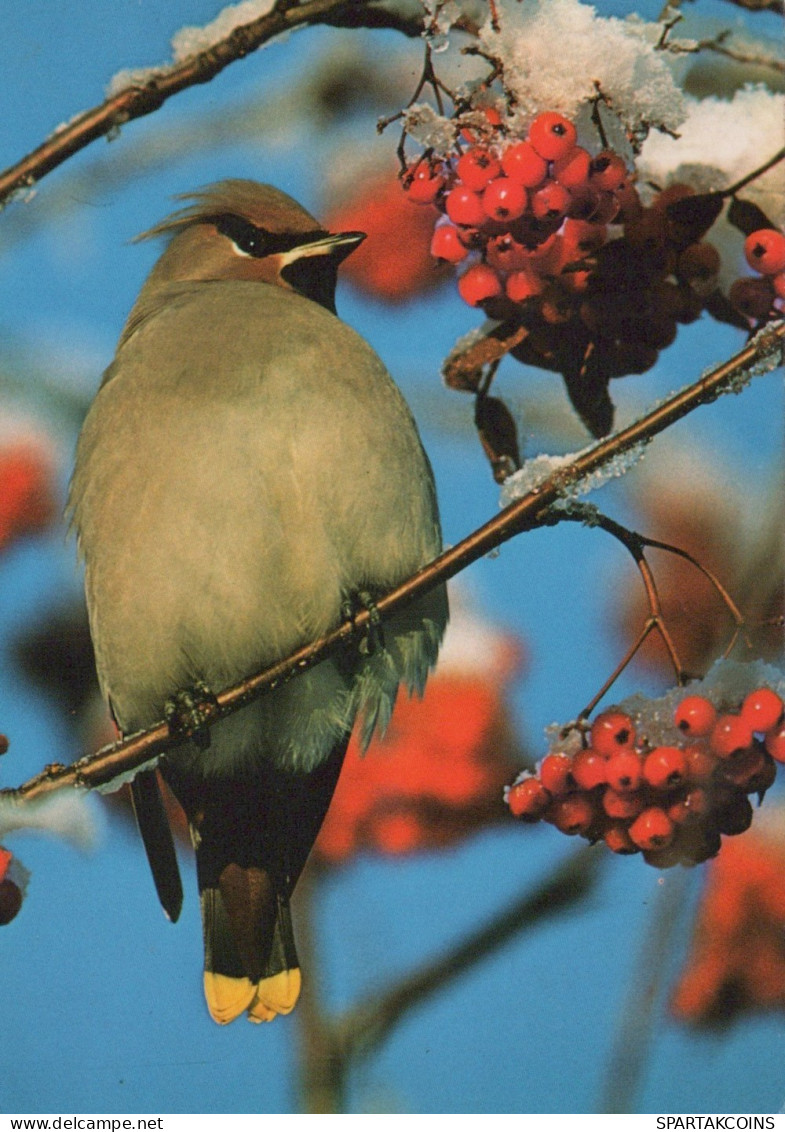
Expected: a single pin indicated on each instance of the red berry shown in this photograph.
(504, 199)
(735, 815)
(522, 163)
(478, 284)
(528, 799)
(665, 767)
(552, 135)
(550, 201)
(730, 734)
(555, 306)
(699, 263)
(743, 768)
(477, 167)
(700, 763)
(695, 715)
(555, 773)
(606, 210)
(618, 839)
(762, 709)
(588, 769)
(693, 805)
(575, 281)
(581, 238)
(666, 858)
(624, 771)
(611, 731)
(608, 171)
(572, 814)
(764, 251)
(622, 806)
(778, 283)
(630, 207)
(492, 117)
(753, 297)
(572, 170)
(774, 742)
(446, 244)
(423, 182)
(652, 829)
(759, 783)
(675, 192)
(523, 285)
(506, 254)
(465, 207)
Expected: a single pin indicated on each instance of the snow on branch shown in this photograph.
(534, 509)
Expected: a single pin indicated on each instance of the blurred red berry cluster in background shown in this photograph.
(736, 961)
(438, 774)
(28, 505)
(27, 489)
(393, 263)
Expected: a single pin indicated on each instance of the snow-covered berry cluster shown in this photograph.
(672, 803)
(556, 236)
(760, 296)
(504, 202)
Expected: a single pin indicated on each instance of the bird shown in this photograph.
(248, 476)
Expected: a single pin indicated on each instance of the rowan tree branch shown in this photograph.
(146, 96)
(763, 354)
(363, 1027)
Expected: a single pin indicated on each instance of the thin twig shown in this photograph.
(723, 594)
(733, 189)
(760, 355)
(579, 723)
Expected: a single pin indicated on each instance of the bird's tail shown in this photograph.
(252, 838)
(250, 960)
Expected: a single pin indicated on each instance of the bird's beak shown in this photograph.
(337, 246)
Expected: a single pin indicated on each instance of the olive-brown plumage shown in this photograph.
(247, 469)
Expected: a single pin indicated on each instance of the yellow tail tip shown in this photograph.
(228, 997)
(276, 994)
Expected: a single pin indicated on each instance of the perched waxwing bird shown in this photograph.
(247, 472)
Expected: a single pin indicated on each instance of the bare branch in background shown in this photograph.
(146, 96)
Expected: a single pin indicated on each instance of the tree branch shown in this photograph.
(761, 355)
(138, 100)
(362, 1028)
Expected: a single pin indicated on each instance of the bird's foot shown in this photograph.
(190, 712)
(373, 638)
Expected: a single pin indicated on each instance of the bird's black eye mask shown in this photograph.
(313, 276)
(258, 242)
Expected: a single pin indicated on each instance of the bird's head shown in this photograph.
(240, 229)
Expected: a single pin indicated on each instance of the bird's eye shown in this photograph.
(246, 237)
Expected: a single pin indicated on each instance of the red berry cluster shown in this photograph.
(506, 200)
(672, 803)
(757, 297)
(527, 221)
